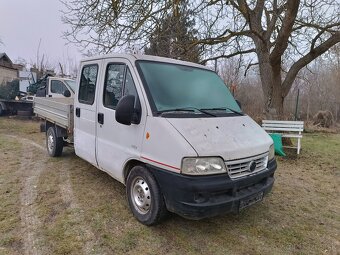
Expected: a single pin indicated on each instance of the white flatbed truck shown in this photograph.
(169, 130)
(49, 87)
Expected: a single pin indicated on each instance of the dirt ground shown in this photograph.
(66, 206)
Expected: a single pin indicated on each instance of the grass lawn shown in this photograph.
(67, 206)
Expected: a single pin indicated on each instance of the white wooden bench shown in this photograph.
(291, 129)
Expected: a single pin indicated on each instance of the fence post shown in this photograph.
(297, 104)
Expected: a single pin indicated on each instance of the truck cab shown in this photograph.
(173, 134)
(57, 87)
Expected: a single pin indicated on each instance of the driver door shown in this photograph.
(117, 143)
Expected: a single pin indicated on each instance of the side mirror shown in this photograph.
(239, 104)
(67, 93)
(125, 109)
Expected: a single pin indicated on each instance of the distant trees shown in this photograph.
(281, 36)
(318, 87)
(10, 90)
(174, 36)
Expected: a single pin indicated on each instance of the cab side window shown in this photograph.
(113, 87)
(87, 86)
(118, 83)
(57, 87)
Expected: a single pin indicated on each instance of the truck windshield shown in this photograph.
(181, 89)
(71, 84)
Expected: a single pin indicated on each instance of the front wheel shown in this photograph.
(54, 144)
(145, 197)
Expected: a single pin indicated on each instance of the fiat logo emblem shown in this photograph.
(252, 166)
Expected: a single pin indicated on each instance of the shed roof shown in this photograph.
(5, 57)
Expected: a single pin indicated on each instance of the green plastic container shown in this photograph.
(277, 138)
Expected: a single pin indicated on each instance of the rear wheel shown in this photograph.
(145, 197)
(54, 144)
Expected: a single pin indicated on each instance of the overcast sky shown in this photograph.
(24, 22)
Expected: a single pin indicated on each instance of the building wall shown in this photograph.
(7, 74)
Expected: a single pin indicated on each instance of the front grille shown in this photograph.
(241, 167)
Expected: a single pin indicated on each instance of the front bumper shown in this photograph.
(197, 197)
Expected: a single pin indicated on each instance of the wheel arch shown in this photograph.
(129, 165)
(60, 132)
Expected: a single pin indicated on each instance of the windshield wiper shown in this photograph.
(186, 109)
(224, 108)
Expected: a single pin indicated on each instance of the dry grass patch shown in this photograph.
(83, 210)
(10, 240)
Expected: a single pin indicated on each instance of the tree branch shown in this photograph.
(228, 56)
(324, 29)
(222, 39)
(258, 10)
(249, 66)
(285, 31)
(305, 60)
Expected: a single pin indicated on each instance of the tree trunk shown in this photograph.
(277, 101)
(271, 86)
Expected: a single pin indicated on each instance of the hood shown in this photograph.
(228, 137)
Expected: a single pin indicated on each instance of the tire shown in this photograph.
(1, 110)
(54, 144)
(144, 196)
(43, 127)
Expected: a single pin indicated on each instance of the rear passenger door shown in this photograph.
(85, 112)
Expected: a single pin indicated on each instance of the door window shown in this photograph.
(118, 83)
(87, 87)
(130, 88)
(113, 86)
(58, 87)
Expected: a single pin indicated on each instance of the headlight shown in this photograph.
(203, 166)
(271, 152)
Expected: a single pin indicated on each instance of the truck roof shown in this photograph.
(133, 57)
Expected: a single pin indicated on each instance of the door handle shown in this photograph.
(101, 118)
(78, 112)
(49, 95)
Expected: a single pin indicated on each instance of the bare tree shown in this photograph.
(283, 35)
(230, 71)
(21, 61)
(41, 63)
(68, 66)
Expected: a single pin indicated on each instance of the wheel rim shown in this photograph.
(50, 142)
(140, 195)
